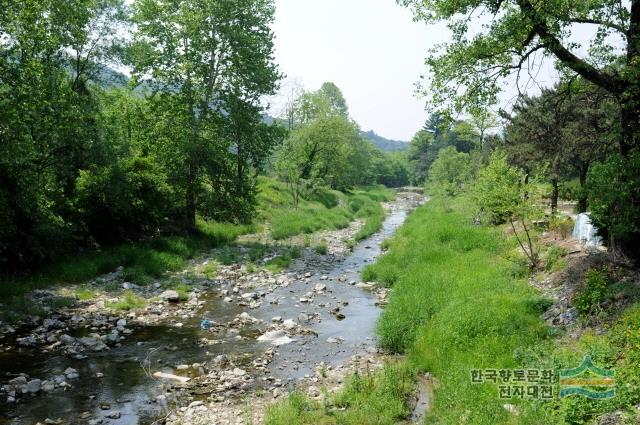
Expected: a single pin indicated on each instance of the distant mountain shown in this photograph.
(383, 143)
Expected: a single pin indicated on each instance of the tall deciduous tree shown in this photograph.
(49, 52)
(208, 61)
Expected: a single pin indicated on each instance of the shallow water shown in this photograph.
(127, 388)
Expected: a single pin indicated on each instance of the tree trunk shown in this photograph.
(630, 98)
(582, 199)
(239, 169)
(554, 195)
(630, 120)
(190, 217)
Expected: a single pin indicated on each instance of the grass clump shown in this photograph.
(554, 258)
(371, 398)
(321, 248)
(281, 262)
(84, 294)
(129, 301)
(210, 269)
(589, 299)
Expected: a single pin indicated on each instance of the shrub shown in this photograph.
(554, 254)
(562, 226)
(594, 292)
(498, 191)
(321, 248)
(123, 201)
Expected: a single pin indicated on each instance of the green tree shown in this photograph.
(202, 57)
(49, 115)
(469, 70)
(562, 132)
(450, 172)
(502, 196)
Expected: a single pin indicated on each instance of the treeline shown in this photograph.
(86, 161)
(563, 143)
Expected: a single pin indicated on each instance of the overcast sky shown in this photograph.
(371, 49)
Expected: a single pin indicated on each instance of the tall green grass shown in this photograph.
(324, 209)
(456, 306)
(142, 261)
(370, 398)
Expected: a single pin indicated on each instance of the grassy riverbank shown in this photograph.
(325, 209)
(456, 304)
(143, 262)
(459, 304)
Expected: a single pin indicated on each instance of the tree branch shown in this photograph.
(607, 81)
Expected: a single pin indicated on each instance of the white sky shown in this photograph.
(371, 49)
(375, 53)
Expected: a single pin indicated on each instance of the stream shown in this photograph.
(116, 386)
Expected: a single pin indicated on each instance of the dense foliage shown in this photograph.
(84, 162)
(325, 148)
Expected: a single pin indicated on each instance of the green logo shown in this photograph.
(588, 380)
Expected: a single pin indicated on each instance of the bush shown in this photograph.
(123, 201)
(554, 254)
(562, 226)
(498, 191)
(594, 292)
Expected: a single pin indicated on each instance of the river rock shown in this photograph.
(239, 372)
(27, 341)
(162, 375)
(71, 373)
(121, 323)
(48, 386)
(34, 386)
(170, 296)
(67, 339)
(114, 415)
(18, 381)
(289, 324)
(52, 324)
(270, 336)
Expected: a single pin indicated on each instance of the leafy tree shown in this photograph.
(337, 101)
(469, 70)
(48, 119)
(422, 153)
(502, 197)
(450, 172)
(203, 57)
(612, 187)
(561, 131)
(498, 190)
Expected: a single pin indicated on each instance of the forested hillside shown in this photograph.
(384, 144)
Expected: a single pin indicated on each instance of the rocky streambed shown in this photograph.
(217, 352)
